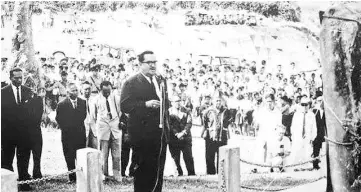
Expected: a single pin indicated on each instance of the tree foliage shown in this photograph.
(279, 9)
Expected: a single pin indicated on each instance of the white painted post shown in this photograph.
(9, 181)
(90, 178)
(230, 178)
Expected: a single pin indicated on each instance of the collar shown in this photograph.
(149, 79)
(14, 87)
(73, 100)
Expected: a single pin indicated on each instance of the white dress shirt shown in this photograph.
(15, 93)
(73, 102)
(102, 110)
(157, 90)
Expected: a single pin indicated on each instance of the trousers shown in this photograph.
(212, 147)
(186, 149)
(150, 157)
(112, 145)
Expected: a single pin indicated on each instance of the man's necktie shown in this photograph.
(152, 83)
(304, 125)
(74, 102)
(87, 105)
(108, 108)
(18, 96)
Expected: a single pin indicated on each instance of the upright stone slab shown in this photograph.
(229, 169)
(90, 178)
(8, 181)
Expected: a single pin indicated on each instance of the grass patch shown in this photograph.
(189, 184)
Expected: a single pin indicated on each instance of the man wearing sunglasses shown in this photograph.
(140, 98)
(303, 132)
(321, 129)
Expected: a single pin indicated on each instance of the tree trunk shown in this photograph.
(340, 42)
(23, 47)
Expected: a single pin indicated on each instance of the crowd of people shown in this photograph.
(77, 25)
(282, 107)
(226, 19)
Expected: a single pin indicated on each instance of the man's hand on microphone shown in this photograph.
(152, 104)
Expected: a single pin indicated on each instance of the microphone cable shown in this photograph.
(161, 149)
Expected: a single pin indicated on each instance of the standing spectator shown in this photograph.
(205, 105)
(126, 146)
(187, 105)
(303, 131)
(15, 126)
(60, 87)
(267, 120)
(287, 115)
(91, 132)
(95, 79)
(321, 130)
(4, 72)
(70, 115)
(141, 100)
(215, 131)
(36, 110)
(106, 114)
(180, 123)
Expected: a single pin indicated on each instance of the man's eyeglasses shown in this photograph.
(150, 62)
(304, 104)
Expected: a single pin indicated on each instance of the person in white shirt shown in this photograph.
(278, 148)
(303, 131)
(91, 132)
(266, 121)
(106, 115)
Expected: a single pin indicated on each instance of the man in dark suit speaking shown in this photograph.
(144, 98)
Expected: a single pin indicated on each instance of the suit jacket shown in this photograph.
(180, 121)
(143, 122)
(14, 119)
(320, 124)
(71, 121)
(35, 111)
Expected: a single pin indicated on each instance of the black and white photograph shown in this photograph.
(180, 96)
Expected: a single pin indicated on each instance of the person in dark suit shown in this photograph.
(14, 126)
(321, 128)
(140, 98)
(215, 131)
(126, 146)
(35, 112)
(70, 115)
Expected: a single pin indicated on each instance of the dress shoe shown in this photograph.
(37, 176)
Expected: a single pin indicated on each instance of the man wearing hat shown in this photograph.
(187, 105)
(303, 132)
(60, 87)
(180, 136)
(95, 79)
(215, 131)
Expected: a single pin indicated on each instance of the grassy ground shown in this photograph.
(177, 184)
(53, 163)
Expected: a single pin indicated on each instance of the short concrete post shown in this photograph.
(90, 178)
(229, 179)
(9, 181)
